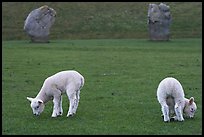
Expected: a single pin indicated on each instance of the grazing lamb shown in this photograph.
(53, 87)
(170, 95)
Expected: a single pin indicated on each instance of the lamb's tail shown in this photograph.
(82, 82)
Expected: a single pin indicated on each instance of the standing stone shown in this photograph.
(38, 23)
(159, 20)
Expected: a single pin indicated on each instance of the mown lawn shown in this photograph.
(119, 95)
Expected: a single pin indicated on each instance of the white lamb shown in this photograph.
(53, 87)
(170, 95)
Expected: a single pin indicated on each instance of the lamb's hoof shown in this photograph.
(181, 120)
(172, 119)
(70, 115)
(57, 115)
(167, 121)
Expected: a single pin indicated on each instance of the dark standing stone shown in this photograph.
(159, 20)
(38, 23)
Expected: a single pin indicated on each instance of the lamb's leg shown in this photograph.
(76, 101)
(61, 110)
(178, 111)
(71, 93)
(165, 112)
(72, 100)
(57, 104)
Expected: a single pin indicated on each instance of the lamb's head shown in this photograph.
(190, 108)
(37, 105)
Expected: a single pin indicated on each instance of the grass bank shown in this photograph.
(102, 20)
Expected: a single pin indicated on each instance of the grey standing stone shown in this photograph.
(38, 23)
(159, 20)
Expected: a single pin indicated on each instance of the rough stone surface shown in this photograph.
(159, 20)
(38, 23)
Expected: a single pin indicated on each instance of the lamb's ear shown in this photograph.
(40, 101)
(191, 100)
(30, 99)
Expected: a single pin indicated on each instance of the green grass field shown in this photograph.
(119, 95)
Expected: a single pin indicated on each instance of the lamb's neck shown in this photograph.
(186, 101)
(42, 95)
